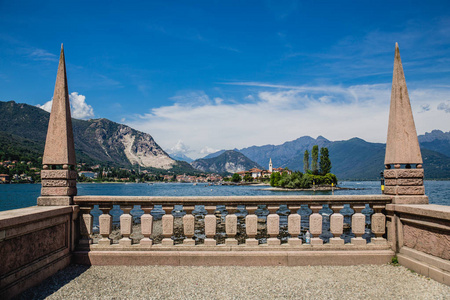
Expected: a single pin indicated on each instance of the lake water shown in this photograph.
(14, 196)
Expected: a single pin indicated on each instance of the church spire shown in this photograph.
(402, 146)
(59, 145)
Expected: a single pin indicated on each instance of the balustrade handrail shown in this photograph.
(234, 200)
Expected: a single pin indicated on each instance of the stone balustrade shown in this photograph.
(237, 220)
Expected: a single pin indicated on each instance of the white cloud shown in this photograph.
(425, 108)
(47, 106)
(286, 113)
(78, 106)
(180, 147)
(445, 106)
(41, 54)
(208, 150)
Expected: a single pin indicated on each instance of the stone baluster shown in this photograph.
(294, 226)
(188, 226)
(146, 225)
(337, 225)
(126, 225)
(231, 226)
(378, 225)
(167, 225)
(86, 221)
(105, 223)
(251, 226)
(315, 225)
(358, 224)
(273, 226)
(210, 226)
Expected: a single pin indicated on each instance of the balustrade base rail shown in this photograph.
(275, 257)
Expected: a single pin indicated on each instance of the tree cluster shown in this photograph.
(321, 167)
(299, 180)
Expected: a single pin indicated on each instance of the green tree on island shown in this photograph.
(315, 158)
(306, 161)
(236, 177)
(325, 163)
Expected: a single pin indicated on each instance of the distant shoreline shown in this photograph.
(319, 188)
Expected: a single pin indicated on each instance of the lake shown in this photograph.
(14, 196)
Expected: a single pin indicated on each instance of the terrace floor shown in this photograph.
(165, 282)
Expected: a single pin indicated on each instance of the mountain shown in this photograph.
(436, 140)
(353, 159)
(181, 157)
(284, 153)
(227, 162)
(96, 141)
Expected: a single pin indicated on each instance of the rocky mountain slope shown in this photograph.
(96, 141)
(227, 162)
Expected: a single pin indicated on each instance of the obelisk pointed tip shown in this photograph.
(402, 146)
(59, 145)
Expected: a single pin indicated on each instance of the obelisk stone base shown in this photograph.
(422, 199)
(54, 200)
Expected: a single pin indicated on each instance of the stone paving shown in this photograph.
(164, 282)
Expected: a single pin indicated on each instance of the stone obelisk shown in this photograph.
(58, 175)
(403, 160)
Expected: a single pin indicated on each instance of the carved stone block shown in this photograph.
(294, 221)
(316, 241)
(231, 224)
(390, 174)
(167, 226)
(358, 241)
(390, 190)
(125, 224)
(105, 222)
(358, 224)
(336, 241)
(273, 242)
(58, 191)
(58, 174)
(58, 182)
(337, 224)
(86, 224)
(251, 225)
(273, 224)
(251, 242)
(315, 224)
(146, 224)
(410, 190)
(210, 226)
(188, 225)
(378, 224)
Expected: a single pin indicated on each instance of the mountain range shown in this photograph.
(226, 162)
(353, 159)
(101, 141)
(24, 128)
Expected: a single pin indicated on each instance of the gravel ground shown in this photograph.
(163, 282)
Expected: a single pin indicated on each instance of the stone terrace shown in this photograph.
(211, 239)
(310, 282)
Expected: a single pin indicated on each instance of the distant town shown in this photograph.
(29, 172)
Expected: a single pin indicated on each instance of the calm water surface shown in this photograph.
(14, 196)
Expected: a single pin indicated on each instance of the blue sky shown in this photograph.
(206, 75)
